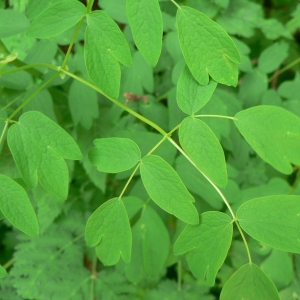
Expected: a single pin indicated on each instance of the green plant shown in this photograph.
(175, 117)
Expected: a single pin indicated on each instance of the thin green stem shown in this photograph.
(33, 95)
(4, 131)
(163, 96)
(37, 65)
(296, 61)
(89, 6)
(215, 116)
(244, 240)
(123, 106)
(72, 42)
(179, 275)
(9, 263)
(175, 4)
(129, 180)
(219, 192)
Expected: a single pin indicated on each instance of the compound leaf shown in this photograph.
(249, 282)
(3, 272)
(12, 22)
(207, 48)
(273, 220)
(56, 19)
(274, 133)
(146, 23)
(203, 147)
(207, 244)
(167, 190)
(114, 155)
(191, 96)
(104, 46)
(38, 146)
(108, 228)
(17, 208)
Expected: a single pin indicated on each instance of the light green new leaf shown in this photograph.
(114, 155)
(274, 133)
(146, 24)
(191, 96)
(150, 247)
(167, 190)
(207, 48)
(249, 282)
(203, 147)
(108, 228)
(38, 146)
(12, 22)
(104, 46)
(3, 272)
(16, 207)
(56, 19)
(207, 244)
(273, 220)
(83, 102)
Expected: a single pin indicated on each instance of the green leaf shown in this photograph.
(12, 22)
(218, 58)
(105, 45)
(150, 247)
(167, 190)
(272, 57)
(249, 282)
(56, 19)
(3, 272)
(38, 146)
(191, 96)
(16, 207)
(36, 7)
(273, 220)
(203, 147)
(207, 244)
(116, 9)
(114, 155)
(146, 24)
(274, 133)
(108, 228)
(83, 102)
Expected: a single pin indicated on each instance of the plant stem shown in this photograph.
(4, 131)
(72, 43)
(220, 193)
(93, 277)
(41, 65)
(129, 180)
(296, 61)
(9, 263)
(115, 101)
(33, 95)
(215, 116)
(179, 275)
(175, 4)
(89, 6)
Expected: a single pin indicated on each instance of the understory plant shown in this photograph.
(149, 149)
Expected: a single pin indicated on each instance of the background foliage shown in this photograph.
(62, 122)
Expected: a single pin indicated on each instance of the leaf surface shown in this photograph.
(12, 22)
(146, 24)
(273, 220)
(56, 19)
(114, 155)
(249, 282)
(38, 146)
(274, 133)
(167, 190)
(108, 228)
(206, 244)
(203, 147)
(16, 207)
(191, 96)
(207, 48)
(105, 46)
(3, 272)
